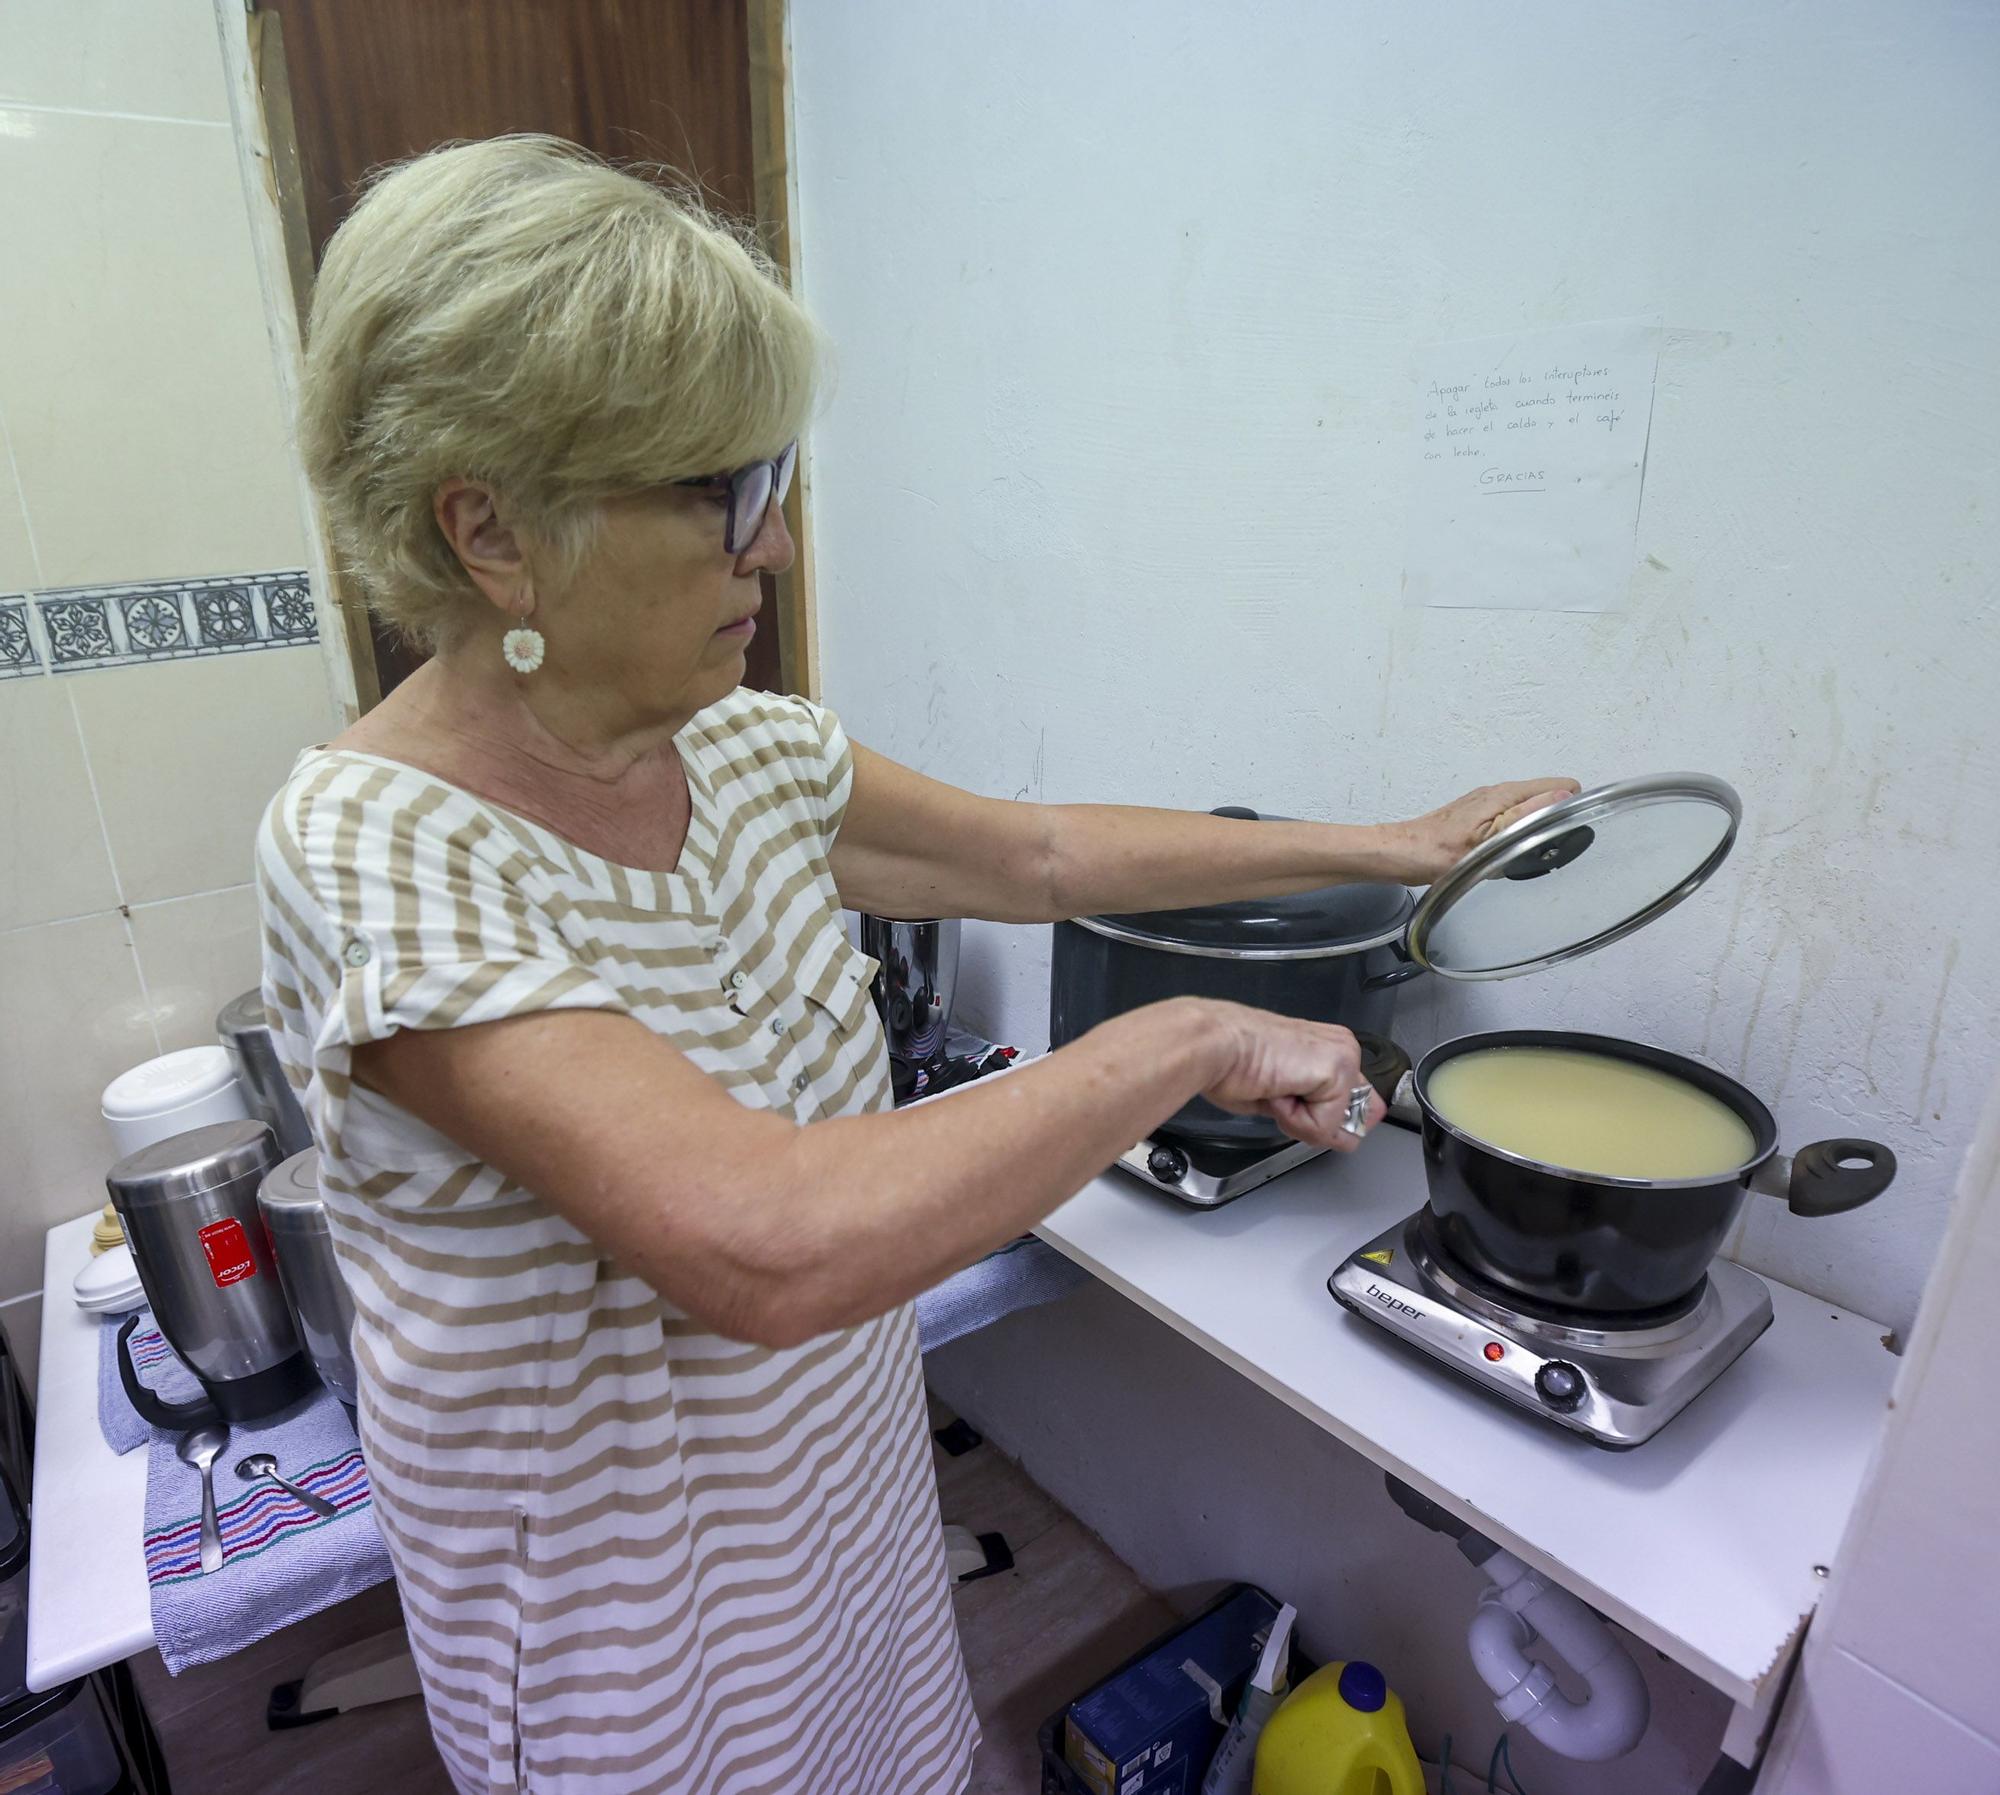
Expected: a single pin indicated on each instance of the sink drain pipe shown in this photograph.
(1521, 1606)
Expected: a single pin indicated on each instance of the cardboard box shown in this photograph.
(1149, 1730)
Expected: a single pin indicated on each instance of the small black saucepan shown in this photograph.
(1617, 1246)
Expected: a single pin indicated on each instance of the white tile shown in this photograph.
(135, 375)
(195, 954)
(17, 550)
(187, 754)
(1864, 1734)
(1916, 1592)
(158, 57)
(54, 863)
(75, 1020)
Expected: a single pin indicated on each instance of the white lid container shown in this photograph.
(170, 1095)
(109, 1284)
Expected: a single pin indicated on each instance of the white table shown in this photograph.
(87, 1599)
(1704, 1542)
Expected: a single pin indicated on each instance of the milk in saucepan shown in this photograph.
(1590, 1113)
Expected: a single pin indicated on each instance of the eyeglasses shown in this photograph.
(752, 491)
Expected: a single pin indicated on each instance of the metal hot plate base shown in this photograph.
(1617, 1384)
(1208, 1176)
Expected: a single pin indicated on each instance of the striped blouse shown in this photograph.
(634, 1555)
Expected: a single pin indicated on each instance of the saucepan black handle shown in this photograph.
(1387, 1067)
(1400, 973)
(1831, 1177)
(177, 1417)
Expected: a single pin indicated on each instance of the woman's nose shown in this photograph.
(771, 550)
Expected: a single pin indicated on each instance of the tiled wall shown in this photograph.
(157, 665)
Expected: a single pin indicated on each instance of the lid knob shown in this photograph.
(1362, 1687)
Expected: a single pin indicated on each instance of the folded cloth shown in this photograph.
(1023, 1275)
(280, 1561)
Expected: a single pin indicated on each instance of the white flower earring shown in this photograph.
(523, 646)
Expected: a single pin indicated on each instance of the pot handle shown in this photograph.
(1394, 975)
(176, 1417)
(1387, 1067)
(1817, 1181)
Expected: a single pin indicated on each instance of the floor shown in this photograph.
(1067, 1613)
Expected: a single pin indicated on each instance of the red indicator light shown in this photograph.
(1495, 1351)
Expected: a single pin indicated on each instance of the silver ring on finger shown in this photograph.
(1357, 1111)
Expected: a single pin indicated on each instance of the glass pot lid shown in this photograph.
(1576, 876)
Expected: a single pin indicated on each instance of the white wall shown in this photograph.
(1902, 1668)
(1109, 503)
(141, 441)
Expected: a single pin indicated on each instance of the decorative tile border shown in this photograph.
(18, 653)
(88, 627)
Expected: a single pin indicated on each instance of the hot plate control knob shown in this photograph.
(1168, 1164)
(1560, 1385)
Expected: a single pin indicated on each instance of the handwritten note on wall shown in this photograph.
(1530, 454)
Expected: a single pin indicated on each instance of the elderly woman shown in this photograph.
(555, 951)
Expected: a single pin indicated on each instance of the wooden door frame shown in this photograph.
(774, 184)
(253, 64)
(260, 112)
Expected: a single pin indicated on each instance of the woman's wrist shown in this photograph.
(1364, 853)
(1182, 1043)
(1203, 1037)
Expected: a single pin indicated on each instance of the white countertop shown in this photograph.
(88, 1604)
(1702, 1541)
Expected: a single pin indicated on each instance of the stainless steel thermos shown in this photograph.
(188, 1205)
(918, 980)
(267, 1093)
(321, 1307)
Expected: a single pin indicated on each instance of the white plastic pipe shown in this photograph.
(1611, 1718)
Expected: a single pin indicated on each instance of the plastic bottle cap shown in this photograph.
(1363, 1687)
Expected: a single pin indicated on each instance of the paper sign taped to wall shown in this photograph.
(1530, 453)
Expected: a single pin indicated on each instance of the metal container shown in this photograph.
(322, 1309)
(1333, 955)
(188, 1205)
(1617, 1246)
(917, 983)
(246, 1037)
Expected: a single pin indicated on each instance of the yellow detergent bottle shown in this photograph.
(1340, 1732)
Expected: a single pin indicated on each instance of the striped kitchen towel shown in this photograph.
(280, 1560)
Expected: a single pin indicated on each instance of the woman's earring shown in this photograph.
(523, 647)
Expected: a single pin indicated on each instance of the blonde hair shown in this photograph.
(521, 313)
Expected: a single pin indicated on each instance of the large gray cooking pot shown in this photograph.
(1332, 955)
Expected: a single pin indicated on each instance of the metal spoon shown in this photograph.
(262, 1464)
(201, 1449)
